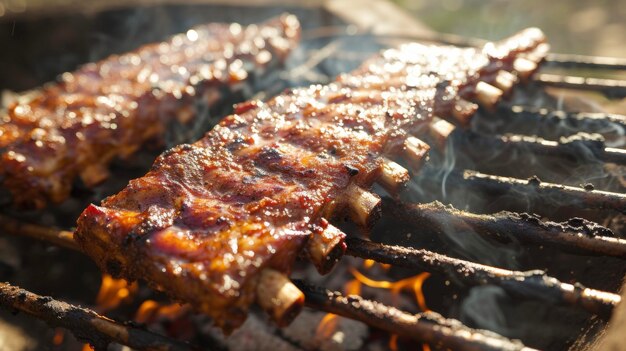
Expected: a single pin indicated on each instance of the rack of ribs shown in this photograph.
(78, 125)
(219, 223)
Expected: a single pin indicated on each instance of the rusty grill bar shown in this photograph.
(86, 324)
(569, 147)
(534, 187)
(612, 88)
(578, 119)
(581, 61)
(425, 327)
(527, 285)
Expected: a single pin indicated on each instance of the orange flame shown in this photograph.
(393, 342)
(87, 347)
(327, 326)
(368, 263)
(353, 287)
(113, 292)
(412, 283)
(59, 336)
(150, 311)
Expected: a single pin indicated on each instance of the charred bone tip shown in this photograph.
(325, 247)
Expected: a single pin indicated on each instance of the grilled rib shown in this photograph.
(107, 110)
(210, 219)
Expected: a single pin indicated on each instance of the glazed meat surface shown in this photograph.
(107, 110)
(209, 216)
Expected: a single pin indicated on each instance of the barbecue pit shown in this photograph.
(484, 179)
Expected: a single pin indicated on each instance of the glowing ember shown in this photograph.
(151, 311)
(393, 342)
(87, 347)
(412, 283)
(114, 292)
(59, 336)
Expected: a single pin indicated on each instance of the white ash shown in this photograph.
(256, 334)
(341, 334)
(303, 334)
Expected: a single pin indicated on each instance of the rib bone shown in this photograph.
(416, 151)
(393, 176)
(487, 95)
(439, 131)
(278, 296)
(364, 205)
(326, 246)
(539, 53)
(524, 68)
(505, 81)
(463, 111)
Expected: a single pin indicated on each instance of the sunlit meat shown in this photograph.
(219, 223)
(107, 110)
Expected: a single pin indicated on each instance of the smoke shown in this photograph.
(484, 308)
(491, 308)
(448, 165)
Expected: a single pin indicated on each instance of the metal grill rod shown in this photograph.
(540, 115)
(574, 146)
(535, 188)
(577, 236)
(534, 285)
(54, 236)
(611, 88)
(580, 61)
(427, 327)
(84, 323)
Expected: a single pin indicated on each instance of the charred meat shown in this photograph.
(218, 223)
(107, 110)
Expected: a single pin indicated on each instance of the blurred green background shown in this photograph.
(593, 27)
